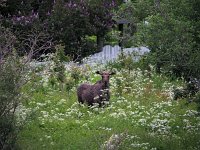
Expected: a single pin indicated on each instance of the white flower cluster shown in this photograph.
(135, 99)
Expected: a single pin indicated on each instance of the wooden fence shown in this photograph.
(110, 53)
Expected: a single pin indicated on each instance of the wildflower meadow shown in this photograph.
(141, 114)
(147, 91)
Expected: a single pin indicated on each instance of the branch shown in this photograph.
(36, 42)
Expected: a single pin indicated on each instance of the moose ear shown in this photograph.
(112, 73)
(98, 72)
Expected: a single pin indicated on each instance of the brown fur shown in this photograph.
(97, 93)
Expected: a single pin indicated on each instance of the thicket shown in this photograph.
(171, 31)
(39, 26)
(11, 80)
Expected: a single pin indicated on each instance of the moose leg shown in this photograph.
(80, 100)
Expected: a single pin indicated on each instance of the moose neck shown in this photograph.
(105, 85)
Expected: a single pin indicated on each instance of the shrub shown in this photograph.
(13, 75)
(9, 89)
(59, 68)
(175, 50)
(10, 80)
(124, 61)
(76, 73)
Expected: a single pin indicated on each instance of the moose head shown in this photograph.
(105, 77)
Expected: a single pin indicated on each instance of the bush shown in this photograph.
(191, 90)
(58, 72)
(9, 100)
(125, 61)
(171, 35)
(12, 77)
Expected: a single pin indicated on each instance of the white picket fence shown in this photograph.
(110, 53)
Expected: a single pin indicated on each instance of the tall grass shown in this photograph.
(141, 115)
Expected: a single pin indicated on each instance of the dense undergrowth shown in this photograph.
(141, 115)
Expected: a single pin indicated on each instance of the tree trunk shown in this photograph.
(100, 42)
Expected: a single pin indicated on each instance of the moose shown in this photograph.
(97, 93)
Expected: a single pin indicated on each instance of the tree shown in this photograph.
(101, 14)
(12, 77)
(68, 22)
(72, 21)
(169, 31)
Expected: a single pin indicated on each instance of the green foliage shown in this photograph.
(169, 34)
(60, 54)
(91, 38)
(197, 99)
(69, 84)
(73, 22)
(127, 12)
(9, 100)
(141, 115)
(76, 73)
(144, 62)
(58, 73)
(11, 81)
(59, 70)
(125, 61)
(8, 133)
(112, 37)
(68, 21)
(119, 87)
